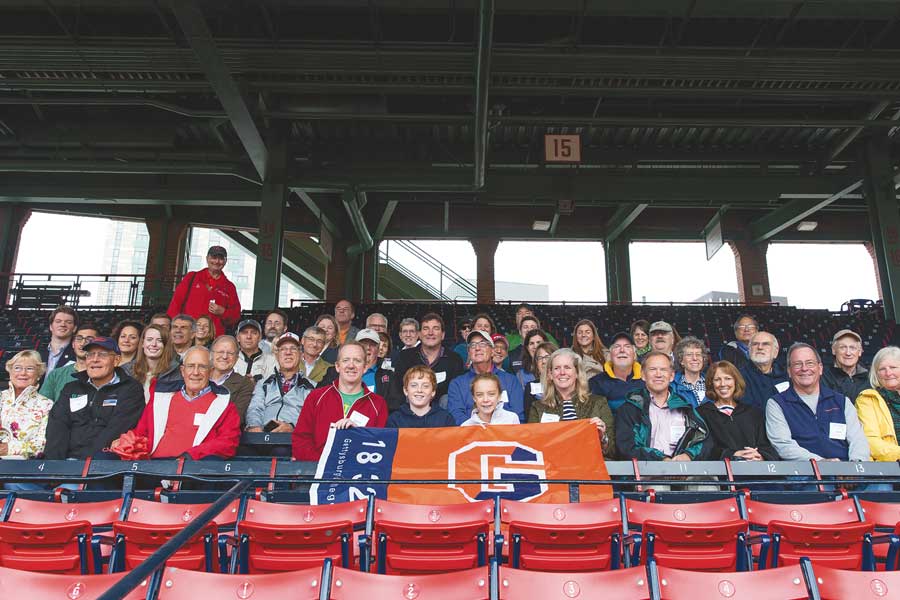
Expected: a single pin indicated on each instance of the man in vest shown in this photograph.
(810, 421)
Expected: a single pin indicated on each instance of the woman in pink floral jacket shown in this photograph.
(23, 411)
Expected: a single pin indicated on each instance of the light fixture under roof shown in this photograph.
(541, 226)
(807, 225)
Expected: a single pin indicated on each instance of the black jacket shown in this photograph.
(450, 364)
(67, 356)
(849, 385)
(405, 417)
(746, 427)
(99, 416)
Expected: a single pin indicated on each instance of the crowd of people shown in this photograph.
(189, 381)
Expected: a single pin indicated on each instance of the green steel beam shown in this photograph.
(353, 201)
(294, 274)
(388, 212)
(482, 88)
(622, 219)
(880, 189)
(198, 35)
(793, 212)
(322, 210)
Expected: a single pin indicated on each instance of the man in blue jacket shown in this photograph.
(460, 402)
(762, 375)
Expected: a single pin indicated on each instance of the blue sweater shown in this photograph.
(405, 417)
(460, 403)
(762, 386)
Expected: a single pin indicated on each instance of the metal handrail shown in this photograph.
(434, 263)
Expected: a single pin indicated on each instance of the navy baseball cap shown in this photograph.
(103, 342)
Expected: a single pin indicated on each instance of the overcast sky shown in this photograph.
(810, 275)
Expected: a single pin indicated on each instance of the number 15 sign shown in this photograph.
(562, 148)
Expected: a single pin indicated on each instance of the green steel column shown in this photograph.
(884, 217)
(12, 220)
(618, 270)
(273, 197)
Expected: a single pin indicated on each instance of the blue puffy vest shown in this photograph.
(811, 430)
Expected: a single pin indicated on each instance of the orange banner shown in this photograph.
(564, 450)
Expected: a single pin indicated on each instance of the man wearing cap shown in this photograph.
(378, 373)
(208, 292)
(347, 402)
(459, 400)
(847, 375)
(193, 418)
(96, 407)
(662, 338)
(621, 374)
(431, 353)
(462, 348)
(500, 353)
(277, 400)
(253, 361)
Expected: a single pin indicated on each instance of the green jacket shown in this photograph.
(594, 406)
(633, 428)
(54, 382)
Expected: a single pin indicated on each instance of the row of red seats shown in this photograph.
(260, 537)
(795, 582)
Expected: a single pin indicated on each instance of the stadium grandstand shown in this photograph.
(374, 433)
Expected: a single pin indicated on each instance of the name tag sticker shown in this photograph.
(837, 431)
(110, 402)
(782, 386)
(676, 431)
(198, 419)
(359, 419)
(548, 418)
(441, 376)
(76, 403)
(503, 397)
(537, 388)
(387, 365)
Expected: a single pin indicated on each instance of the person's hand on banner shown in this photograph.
(343, 424)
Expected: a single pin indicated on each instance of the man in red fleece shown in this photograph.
(195, 420)
(208, 292)
(345, 403)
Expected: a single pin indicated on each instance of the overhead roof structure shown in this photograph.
(438, 110)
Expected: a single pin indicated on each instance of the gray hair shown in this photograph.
(410, 321)
(881, 356)
(226, 338)
(691, 342)
(799, 346)
(202, 349)
(314, 330)
(40, 367)
(377, 314)
(186, 317)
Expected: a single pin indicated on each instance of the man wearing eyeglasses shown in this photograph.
(193, 418)
(459, 401)
(96, 407)
(54, 382)
(224, 357)
(810, 421)
(277, 400)
(312, 343)
(847, 375)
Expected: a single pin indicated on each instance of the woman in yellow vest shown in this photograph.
(879, 407)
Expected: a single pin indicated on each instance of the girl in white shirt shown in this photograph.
(488, 409)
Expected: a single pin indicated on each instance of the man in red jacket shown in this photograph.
(345, 403)
(195, 419)
(208, 292)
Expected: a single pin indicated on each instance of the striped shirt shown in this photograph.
(568, 411)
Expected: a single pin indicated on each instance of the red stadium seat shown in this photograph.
(414, 538)
(624, 584)
(886, 516)
(829, 533)
(49, 586)
(47, 547)
(707, 536)
(152, 524)
(61, 517)
(290, 537)
(180, 584)
(786, 583)
(563, 537)
(835, 584)
(471, 584)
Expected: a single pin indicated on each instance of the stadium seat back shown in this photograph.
(695, 512)
(883, 514)
(140, 540)
(470, 584)
(98, 514)
(840, 511)
(696, 546)
(840, 545)
(161, 513)
(50, 586)
(181, 584)
(563, 537)
(837, 584)
(431, 538)
(288, 537)
(786, 583)
(47, 547)
(624, 584)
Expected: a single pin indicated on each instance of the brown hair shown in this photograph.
(598, 348)
(739, 383)
(433, 316)
(486, 377)
(66, 310)
(420, 371)
(489, 320)
(141, 367)
(212, 332)
(337, 330)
